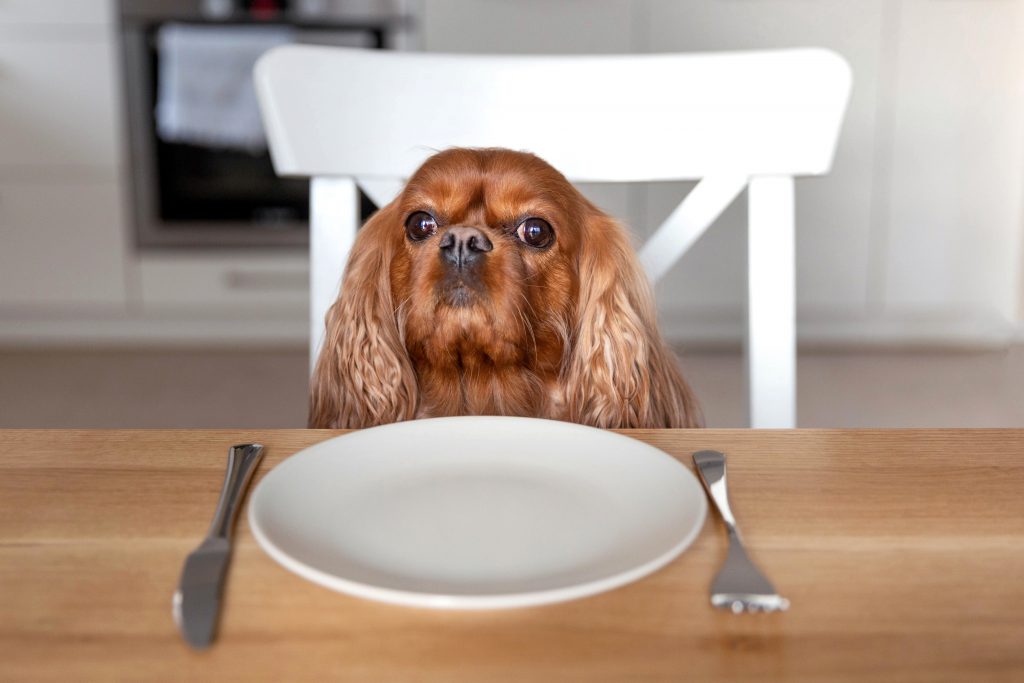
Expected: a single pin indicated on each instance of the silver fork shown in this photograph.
(740, 586)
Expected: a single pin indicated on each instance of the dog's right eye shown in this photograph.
(420, 226)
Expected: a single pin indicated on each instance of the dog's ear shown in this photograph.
(363, 376)
(619, 373)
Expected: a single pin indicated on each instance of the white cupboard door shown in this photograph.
(55, 12)
(955, 224)
(61, 245)
(58, 105)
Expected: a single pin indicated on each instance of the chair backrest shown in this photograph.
(369, 118)
(373, 114)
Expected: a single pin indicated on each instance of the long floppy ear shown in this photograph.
(363, 376)
(619, 373)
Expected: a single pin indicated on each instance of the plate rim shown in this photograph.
(448, 601)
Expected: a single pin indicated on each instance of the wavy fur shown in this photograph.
(566, 332)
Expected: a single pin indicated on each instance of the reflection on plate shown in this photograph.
(477, 512)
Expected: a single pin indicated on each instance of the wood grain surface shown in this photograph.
(902, 553)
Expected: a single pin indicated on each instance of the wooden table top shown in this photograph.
(902, 553)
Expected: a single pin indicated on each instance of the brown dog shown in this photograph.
(491, 286)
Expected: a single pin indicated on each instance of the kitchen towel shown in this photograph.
(205, 93)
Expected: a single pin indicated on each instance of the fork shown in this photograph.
(740, 586)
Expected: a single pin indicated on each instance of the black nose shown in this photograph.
(463, 247)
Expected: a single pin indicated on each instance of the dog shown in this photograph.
(491, 286)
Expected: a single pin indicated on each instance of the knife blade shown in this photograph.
(197, 601)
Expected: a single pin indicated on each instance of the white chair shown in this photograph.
(365, 118)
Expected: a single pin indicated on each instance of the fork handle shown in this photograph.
(711, 468)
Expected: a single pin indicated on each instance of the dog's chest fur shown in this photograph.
(474, 372)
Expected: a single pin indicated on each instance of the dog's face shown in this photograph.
(487, 271)
(490, 285)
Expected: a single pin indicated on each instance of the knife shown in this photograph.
(196, 603)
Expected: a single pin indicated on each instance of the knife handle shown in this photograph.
(242, 462)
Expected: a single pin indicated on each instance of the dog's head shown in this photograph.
(490, 285)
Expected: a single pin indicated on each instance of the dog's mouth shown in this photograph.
(459, 296)
(459, 292)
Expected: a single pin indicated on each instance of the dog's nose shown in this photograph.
(462, 246)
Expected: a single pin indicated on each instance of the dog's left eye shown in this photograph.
(536, 232)
(420, 226)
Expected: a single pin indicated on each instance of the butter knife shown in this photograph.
(196, 603)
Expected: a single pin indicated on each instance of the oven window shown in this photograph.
(198, 184)
(192, 192)
(203, 184)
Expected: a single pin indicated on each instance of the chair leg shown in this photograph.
(333, 221)
(771, 322)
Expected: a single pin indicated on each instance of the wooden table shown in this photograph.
(902, 553)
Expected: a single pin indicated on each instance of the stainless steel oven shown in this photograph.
(193, 193)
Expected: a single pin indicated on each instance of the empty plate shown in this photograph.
(477, 512)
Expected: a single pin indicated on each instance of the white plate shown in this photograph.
(477, 512)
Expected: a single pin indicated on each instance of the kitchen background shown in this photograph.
(125, 302)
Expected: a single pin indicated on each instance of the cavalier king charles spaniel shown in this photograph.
(491, 286)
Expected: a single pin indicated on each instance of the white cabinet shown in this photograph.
(226, 283)
(528, 26)
(32, 13)
(69, 271)
(57, 104)
(61, 245)
(955, 221)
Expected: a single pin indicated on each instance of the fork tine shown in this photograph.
(750, 602)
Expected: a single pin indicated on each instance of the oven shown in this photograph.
(200, 173)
